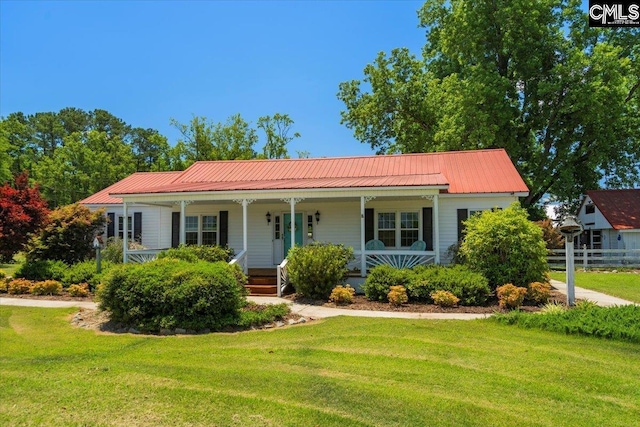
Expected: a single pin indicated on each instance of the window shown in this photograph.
(276, 227)
(129, 227)
(387, 228)
(191, 230)
(209, 229)
(590, 208)
(310, 226)
(409, 228)
(402, 233)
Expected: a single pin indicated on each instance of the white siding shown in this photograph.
(156, 222)
(592, 221)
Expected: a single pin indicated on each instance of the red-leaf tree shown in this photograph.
(23, 213)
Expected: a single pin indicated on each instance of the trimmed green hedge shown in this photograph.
(381, 278)
(470, 287)
(195, 253)
(170, 293)
(315, 269)
(85, 272)
(42, 270)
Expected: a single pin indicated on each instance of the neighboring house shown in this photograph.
(394, 201)
(611, 219)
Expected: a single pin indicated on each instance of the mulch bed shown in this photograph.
(62, 297)
(362, 303)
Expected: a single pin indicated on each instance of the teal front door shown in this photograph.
(287, 231)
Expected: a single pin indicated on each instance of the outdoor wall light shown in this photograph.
(268, 217)
(317, 217)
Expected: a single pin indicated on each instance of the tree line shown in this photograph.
(73, 153)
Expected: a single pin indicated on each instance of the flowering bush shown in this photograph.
(342, 294)
(510, 296)
(46, 287)
(79, 290)
(19, 286)
(539, 292)
(397, 295)
(444, 299)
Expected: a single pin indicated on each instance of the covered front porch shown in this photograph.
(398, 228)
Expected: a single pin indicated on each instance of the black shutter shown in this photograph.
(111, 226)
(224, 228)
(463, 214)
(427, 227)
(175, 229)
(137, 227)
(369, 226)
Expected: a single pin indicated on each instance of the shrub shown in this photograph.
(618, 322)
(171, 293)
(254, 314)
(444, 299)
(315, 269)
(3, 275)
(470, 287)
(112, 251)
(510, 296)
(68, 236)
(551, 236)
(79, 290)
(505, 247)
(539, 292)
(194, 253)
(397, 295)
(342, 294)
(85, 272)
(4, 284)
(42, 270)
(19, 286)
(46, 287)
(552, 308)
(380, 280)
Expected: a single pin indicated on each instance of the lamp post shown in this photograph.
(570, 227)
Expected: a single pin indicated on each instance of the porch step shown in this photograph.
(262, 281)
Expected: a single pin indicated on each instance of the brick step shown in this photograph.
(262, 289)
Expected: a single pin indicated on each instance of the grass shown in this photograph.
(10, 268)
(624, 285)
(338, 372)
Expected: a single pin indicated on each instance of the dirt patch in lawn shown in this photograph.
(360, 302)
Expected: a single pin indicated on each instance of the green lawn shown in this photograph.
(338, 372)
(621, 285)
(10, 269)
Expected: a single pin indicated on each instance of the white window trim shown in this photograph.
(398, 229)
(200, 230)
(119, 229)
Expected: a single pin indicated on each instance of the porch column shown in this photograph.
(436, 229)
(183, 234)
(293, 221)
(244, 224)
(363, 257)
(125, 242)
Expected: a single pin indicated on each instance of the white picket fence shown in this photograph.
(597, 258)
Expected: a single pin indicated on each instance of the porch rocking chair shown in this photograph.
(374, 245)
(418, 245)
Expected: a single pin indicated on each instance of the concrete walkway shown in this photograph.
(318, 312)
(601, 299)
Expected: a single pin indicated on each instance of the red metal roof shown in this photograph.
(620, 207)
(481, 171)
(137, 182)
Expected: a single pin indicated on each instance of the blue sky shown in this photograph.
(149, 61)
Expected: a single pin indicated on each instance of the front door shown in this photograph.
(286, 226)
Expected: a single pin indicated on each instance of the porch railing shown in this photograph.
(395, 258)
(241, 260)
(139, 256)
(595, 258)
(283, 276)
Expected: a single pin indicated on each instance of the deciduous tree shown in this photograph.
(23, 213)
(277, 130)
(530, 77)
